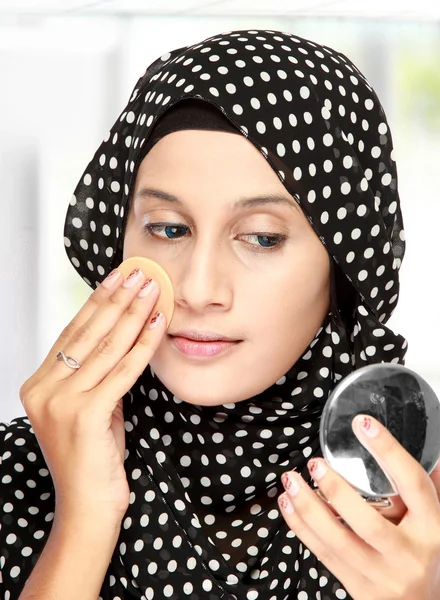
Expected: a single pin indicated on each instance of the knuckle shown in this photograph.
(68, 331)
(54, 408)
(105, 347)
(43, 408)
(133, 308)
(146, 342)
(29, 397)
(115, 299)
(83, 334)
(325, 555)
(23, 391)
(123, 369)
(61, 415)
(94, 297)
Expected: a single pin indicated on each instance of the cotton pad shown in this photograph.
(165, 302)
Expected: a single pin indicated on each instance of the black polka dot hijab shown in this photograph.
(203, 521)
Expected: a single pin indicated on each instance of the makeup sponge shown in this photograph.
(165, 302)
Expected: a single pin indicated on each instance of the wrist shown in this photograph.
(82, 523)
(75, 557)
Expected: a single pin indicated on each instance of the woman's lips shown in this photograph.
(203, 349)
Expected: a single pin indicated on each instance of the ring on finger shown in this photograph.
(71, 362)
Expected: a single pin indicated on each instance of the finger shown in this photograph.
(327, 503)
(130, 368)
(363, 520)
(353, 580)
(93, 302)
(406, 475)
(395, 512)
(110, 333)
(435, 478)
(334, 537)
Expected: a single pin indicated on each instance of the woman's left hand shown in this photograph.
(375, 559)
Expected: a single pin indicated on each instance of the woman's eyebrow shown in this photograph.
(242, 203)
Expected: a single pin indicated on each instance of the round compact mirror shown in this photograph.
(399, 399)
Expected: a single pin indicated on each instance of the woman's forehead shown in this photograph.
(214, 150)
(186, 167)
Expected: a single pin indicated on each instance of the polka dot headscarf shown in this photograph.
(203, 521)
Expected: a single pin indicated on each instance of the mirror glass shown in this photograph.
(397, 397)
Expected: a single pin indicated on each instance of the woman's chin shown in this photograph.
(218, 380)
(201, 394)
(209, 389)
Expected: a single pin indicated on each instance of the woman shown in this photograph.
(256, 167)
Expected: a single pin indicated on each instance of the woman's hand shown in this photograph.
(77, 414)
(373, 558)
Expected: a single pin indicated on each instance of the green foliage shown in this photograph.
(418, 81)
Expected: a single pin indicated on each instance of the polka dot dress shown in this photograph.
(203, 521)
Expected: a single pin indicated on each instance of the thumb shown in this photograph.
(118, 428)
(435, 477)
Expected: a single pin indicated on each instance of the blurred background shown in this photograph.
(66, 71)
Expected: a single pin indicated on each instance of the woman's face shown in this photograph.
(243, 259)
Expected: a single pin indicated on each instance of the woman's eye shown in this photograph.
(171, 229)
(174, 231)
(265, 240)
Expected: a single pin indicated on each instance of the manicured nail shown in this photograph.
(290, 483)
(285, 504)
(110, 280)
(367, 425)
(145, 289)
(155, 320)
(132, 278)
(317, 468)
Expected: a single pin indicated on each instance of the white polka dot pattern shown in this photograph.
(193, 523)
(203, 521)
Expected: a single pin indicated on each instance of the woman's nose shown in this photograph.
(202, 282)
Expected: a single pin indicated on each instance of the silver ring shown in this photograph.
(371, 500)
(73, 365)
(377, 502)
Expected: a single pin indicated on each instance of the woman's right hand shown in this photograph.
(77, 414)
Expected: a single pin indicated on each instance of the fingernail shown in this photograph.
(290, 484)
(145, 289)
(367, 425)
(285, 504)
(111, 278)
(317, 468)
(132, 278)
(155, 320)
